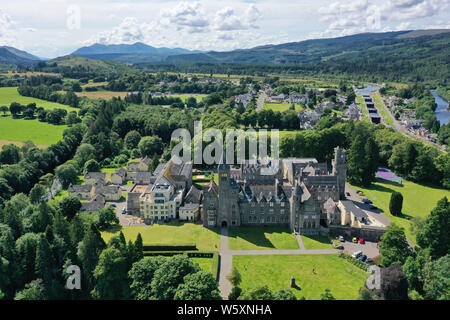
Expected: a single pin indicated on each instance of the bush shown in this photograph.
(354, 261)
(396, 204)
(170, 247)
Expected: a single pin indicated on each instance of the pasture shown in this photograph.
(281, 107)
(17, 131)
(313, 274)
(106, 95)
(10, 94)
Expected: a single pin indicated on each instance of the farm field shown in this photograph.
(102, 94)
(340, 276)
(316, 242)
(281, 107)
(418, 200)
(28, 74)
(173, 233)
(10, 94)
(261, 238)
(18, 131)
(184, 97)
(94, 84)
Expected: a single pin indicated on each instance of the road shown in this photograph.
(260, 103)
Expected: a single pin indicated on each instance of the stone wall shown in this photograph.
(372, 234)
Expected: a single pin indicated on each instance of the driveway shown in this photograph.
(369, 248)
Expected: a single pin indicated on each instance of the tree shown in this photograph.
(437, 279)
(396, 203)
(4, 109)
(327, 295)
(394, 285)
(84, 153)
(235, 293)
(70, 206)
(149, 146)
(364, 294)
(363, 158)
(106, 218)
(37, 194)
(76, 231)
(88, 253)
(394, 247)
(132, 139)
(138, 248)
(154, 164)
(33, 291)
(170, 275)
(92, 166)
(284, 294)
(67, 174)
(111, 276)
(235, 277)
(435, 231)
(141, 276)
(10, 154)
(198, 286)
(257, 293)
(44, 261)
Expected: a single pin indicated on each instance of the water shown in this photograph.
(441, 112)
(367, 90)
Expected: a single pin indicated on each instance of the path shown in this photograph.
(226, 258)
(261, 100)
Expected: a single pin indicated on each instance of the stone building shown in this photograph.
(295, 196)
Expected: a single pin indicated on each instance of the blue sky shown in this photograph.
(50, 28)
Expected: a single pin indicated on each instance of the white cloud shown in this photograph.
(7, 35)
(185, 15)
(227, 20)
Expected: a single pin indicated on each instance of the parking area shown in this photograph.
(370, 249)
(124, 219)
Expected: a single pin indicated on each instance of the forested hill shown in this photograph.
(12, 57)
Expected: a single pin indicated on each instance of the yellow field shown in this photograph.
(102, 94)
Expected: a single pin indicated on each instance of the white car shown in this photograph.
(356, 254)
(341, 239)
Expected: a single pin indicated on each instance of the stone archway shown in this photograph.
(224, 224)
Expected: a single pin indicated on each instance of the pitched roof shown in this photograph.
(194, 195)
(95, 175)
(83, 188)
(97, 203)
(121, 172)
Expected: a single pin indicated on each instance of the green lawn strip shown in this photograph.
(22, 130)
(418, 200)
(281, 107)
(316, 242)
(380, 106)
(206, 264)
(261, 238)
(10, 94)
(341, 277)
(173, 233)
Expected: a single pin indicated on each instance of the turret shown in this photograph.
(340, 169)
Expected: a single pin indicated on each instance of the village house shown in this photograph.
(92, 177)
(277, 99)
(97, 203)
(189, 212)
(81, 192)
(111, 193)
(351, 215)
(119, 177)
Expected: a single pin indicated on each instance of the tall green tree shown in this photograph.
(394, 247)
(198, 286)
(396, 203)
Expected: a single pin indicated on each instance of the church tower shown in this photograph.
(340, 169)
(229, 211)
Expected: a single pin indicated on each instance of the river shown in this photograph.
(367, 90)
(442, 114)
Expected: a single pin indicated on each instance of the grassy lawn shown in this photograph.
(9, 95)
(281, 107)
(316, 242)
(174, 233)
(184, 97)
(261, 238)
(380, 106)
(20, 130)
(418, 200)
(332, 272)
(205, 264)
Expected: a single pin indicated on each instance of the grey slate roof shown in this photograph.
(76, 188)
(95, 175)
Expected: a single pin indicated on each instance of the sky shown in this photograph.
(51, 28)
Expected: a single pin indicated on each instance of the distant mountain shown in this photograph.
(12, 57)
(320, 50)
(93, 65)
(133, 53)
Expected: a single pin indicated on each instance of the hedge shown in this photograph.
(191, 254)
(354, 261)
(170, 247)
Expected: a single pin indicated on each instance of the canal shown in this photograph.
(442, 114)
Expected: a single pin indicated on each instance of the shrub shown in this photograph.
(396, 204)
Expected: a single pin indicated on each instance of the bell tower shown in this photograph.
(340, 170)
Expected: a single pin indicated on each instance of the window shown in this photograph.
(271, 204)
(282, 204)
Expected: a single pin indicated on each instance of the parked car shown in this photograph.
(362, 258)
(357, 254)
(124, 211)
(369, 261)
(341, 239)
(362, 241)
(367, 201)
(355, 240)
(348, 194)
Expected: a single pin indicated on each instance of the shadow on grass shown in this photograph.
(113, 230)
(318, 238)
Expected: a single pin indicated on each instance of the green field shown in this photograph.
(9, 95)
(184, 97)
(316, 242)
(261, 238)
(174, 233)
(20, 130)
(332, 272)
(206, 264)
(281, 107)
(418, 200)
